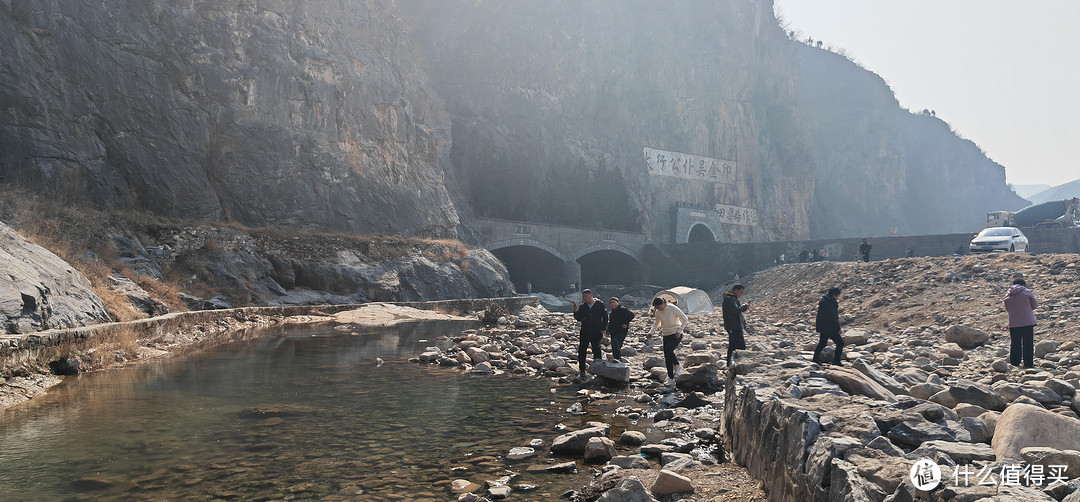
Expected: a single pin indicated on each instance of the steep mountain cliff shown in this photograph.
(305, 114)
(553, 102)
(880, 168)
(371, 116)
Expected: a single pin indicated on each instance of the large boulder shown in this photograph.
(573, 443)
(39, 291)
(599, 449)
(705, 378)
(881, 378)
(1048, 457)
(1022, 425)
(965, 336)
(617, 372)
(965, 391)
(630, 462)
(854, 382)
(630, 490)
(669, 482)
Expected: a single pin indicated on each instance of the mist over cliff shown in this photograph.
(414, 116)
(882, 169)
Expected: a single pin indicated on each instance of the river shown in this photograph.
(300, 414)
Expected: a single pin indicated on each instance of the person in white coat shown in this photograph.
(671, 321)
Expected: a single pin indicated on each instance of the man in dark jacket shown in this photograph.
(828, 325)
(864, 251)
(734, 320)
(593, 318)
(618, 326)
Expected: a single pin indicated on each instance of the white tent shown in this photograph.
(689, 300)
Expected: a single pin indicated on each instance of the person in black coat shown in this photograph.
(828, 325)
(864, 251)
(594, 320)
(618, 326)
(734, 320)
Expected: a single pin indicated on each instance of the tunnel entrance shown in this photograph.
(609, 267)
(530, 264)
(701, 233)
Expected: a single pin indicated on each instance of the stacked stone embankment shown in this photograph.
(813, 432)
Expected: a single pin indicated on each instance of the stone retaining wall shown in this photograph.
(21, 353)
(813, 433)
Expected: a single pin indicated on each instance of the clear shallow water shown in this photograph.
(298, 415)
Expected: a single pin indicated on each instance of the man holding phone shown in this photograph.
(734, 320)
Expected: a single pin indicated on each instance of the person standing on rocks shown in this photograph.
(594, 320)
(864, 250)
(828, 325)
(671, 321)
(618, 326)
(734, 320)
(1021, 303)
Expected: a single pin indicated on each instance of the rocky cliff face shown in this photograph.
(879, 167)
(40, 291)
(272, 113)
(344, 115)
(553, 102)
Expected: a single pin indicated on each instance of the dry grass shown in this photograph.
(112, 345)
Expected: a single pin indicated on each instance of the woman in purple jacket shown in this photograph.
(1020, 302)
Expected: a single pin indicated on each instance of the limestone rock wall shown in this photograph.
(38, 290)
(553, 102)
(306, 114)
(879, 167)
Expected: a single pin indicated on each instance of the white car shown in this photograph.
(999, 239)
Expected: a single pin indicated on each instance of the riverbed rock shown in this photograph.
(913, 433)
(632, 438)
(1047, 457)
(668, 482)
(463, 486)
(629, 462)
(629, 490)
(705, 377)
(599, 450)
(965, 336)
(964, 391)
(960, 453)
(617, 372)
(573, 443)
(39, 290)
(880, 377)
(1045, 347)
(1022, 425)
(856, 383)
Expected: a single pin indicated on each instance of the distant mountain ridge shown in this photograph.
(1060, 192)
(1026, 191)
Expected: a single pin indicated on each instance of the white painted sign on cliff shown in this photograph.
(736, 215)
(689, 167)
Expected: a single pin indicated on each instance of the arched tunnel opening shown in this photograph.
(609, 267)
(701, 233)
(530, 264)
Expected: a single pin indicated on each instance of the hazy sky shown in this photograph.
(1004, 73)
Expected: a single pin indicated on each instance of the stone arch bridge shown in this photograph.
(554, 257)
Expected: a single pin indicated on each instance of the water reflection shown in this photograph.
(297, 415)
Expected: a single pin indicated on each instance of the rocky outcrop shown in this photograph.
(307, 114)
(38, 290)
(262, 267)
